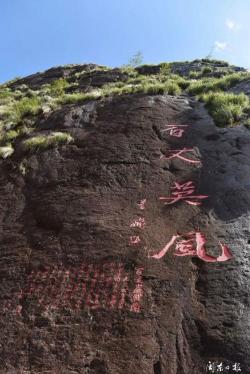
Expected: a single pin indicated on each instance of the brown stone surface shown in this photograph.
(65, 231)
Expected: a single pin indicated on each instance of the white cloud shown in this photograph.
(232, 25)
(220, 46)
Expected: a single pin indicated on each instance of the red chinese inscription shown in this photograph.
(135, 239)
(178, 153)
(184, 192)
(140, 222)
(138, 292)
(142, 204)
(175, 130)
(108, 286)
(193, 244)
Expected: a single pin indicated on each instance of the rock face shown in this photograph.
(80, 289)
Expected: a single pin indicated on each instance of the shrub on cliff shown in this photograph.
(57, 87)
(165, 68)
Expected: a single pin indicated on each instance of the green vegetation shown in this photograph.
(129, 70)
(213, 61)
(225, 108)
(42, 142)
(136, 60)
(57, 87)
(6, 151)
(170, 88)
(5, 93)
(193, 74)
(206, 70)
(146, 86)
(165, 68)
(9, 136)
(26, 106)
(246, 122)
(77, 98)
(210, 83)
(139, 84)
(215, 84)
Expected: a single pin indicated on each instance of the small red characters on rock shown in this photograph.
(142, 204)
(140, 223)
(135, 239)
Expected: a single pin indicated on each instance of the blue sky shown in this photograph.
(39, 34)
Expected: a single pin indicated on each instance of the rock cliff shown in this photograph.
(124, 247)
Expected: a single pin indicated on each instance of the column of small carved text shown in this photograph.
(78, 289)
(57, 289)
(138, 291)
(84, 287)
(32, 281)
(70, 289)
(99, 289)
(78, 299)
(42, 279)
(14, 304)
(117, 284)
(45, 299)
(124, 291)
(108, 287)
(91, 294)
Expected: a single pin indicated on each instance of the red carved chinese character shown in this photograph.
(165, 249)
(201, 250)
(175, 130)
(140, 222)
(97, 286)
(193, 244)
(178, 153)
(184, 192)
(134, 239)
(19, 309)
(142, 204)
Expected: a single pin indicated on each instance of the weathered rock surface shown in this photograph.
(66, 258)
(35, 81)
(184, 68)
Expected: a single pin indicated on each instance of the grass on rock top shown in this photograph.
(225, 108)
(6, 151)
(216, 84)
(19, 107)
(41, 142)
